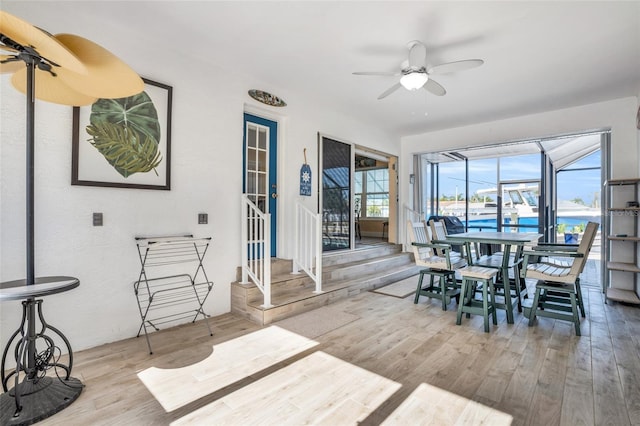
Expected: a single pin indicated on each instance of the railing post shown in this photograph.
(296, 250)
(318, 253)
(266, 258)
(245, 240)
(308, 245)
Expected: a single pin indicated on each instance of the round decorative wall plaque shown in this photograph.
(267, 98)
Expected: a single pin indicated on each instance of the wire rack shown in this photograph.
(165, 295)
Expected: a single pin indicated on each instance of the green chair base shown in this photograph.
(444, 290)
(469, 305)
(557, 301)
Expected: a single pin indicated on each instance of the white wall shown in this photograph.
(206, 177)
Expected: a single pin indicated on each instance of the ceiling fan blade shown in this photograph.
(390, 90)
(376, 73)
(417, 54)
(434, 88)
(455, 66)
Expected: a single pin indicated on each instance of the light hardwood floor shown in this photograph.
(541, 375)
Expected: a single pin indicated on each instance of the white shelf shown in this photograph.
(619, 194)
(620, 295)
(622, 266)
(634, 239)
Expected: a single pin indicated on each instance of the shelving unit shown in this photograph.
(622, 238)
(165, 291)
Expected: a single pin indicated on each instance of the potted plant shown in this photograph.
(561, 228)
(573, 236)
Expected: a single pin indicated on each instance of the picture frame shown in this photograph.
(124, 143)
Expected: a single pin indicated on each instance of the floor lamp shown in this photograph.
(69, 70)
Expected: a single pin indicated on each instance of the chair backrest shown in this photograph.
(584, 248)
(438, 231)
(419, 233)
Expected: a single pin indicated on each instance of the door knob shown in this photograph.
(274, 195)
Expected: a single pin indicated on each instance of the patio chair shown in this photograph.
(441, 266)
(558, 294)
(440, 233)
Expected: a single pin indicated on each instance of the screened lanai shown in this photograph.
(551, 186)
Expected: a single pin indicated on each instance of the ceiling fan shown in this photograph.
(415, 74)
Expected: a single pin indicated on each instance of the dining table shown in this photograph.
(511, 242)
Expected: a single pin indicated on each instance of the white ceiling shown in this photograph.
(538, 56)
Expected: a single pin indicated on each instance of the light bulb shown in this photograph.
(414, 80)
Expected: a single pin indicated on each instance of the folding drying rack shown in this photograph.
(164, 294)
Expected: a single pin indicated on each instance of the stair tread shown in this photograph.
(282, 297)
(368, 261)
(345, 274)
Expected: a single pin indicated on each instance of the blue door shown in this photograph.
(260, 180)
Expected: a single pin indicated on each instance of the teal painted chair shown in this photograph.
(472, 276)
(558, 294)
(438, 261)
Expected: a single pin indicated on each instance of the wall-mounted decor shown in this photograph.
(305, 177)
(267, 98)
(126, 142)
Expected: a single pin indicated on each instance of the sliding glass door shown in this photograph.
(335, 197)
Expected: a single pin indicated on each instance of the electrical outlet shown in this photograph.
(97, 219)
(203, 218)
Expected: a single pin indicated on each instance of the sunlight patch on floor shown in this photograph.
(230, 362)
(318, 389)
(430, 405)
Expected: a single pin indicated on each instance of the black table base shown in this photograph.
(39, 401)
(42, 384)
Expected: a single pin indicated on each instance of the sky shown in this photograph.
(483, 175)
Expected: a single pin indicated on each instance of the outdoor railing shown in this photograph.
(256, 248)
(308, 247)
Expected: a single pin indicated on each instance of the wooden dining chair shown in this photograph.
(558, 294)
(442, 266)
(440, 233)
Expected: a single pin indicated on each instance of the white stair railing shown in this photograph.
(256, 248)
(413, 216)
(308, 248)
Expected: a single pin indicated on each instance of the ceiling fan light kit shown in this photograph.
(415, 73)
(414, 80)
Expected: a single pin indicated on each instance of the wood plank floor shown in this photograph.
(540, 375)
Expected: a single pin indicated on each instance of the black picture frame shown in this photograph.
(91, 168)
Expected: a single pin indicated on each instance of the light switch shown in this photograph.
(203, 218)
(97, 219)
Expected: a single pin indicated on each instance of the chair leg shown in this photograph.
(492, 293)
(443, 292)
(576, 320)
(463, 300)
(534, 307)
(415, 299)
(485, 306)
(472, 287)
(579, 298)
(516, 285)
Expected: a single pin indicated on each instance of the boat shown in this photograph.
(519, 206)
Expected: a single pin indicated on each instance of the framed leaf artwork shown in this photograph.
(125, 142)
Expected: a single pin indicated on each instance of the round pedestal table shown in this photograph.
(42, 385)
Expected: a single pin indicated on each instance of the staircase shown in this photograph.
(344, 274)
